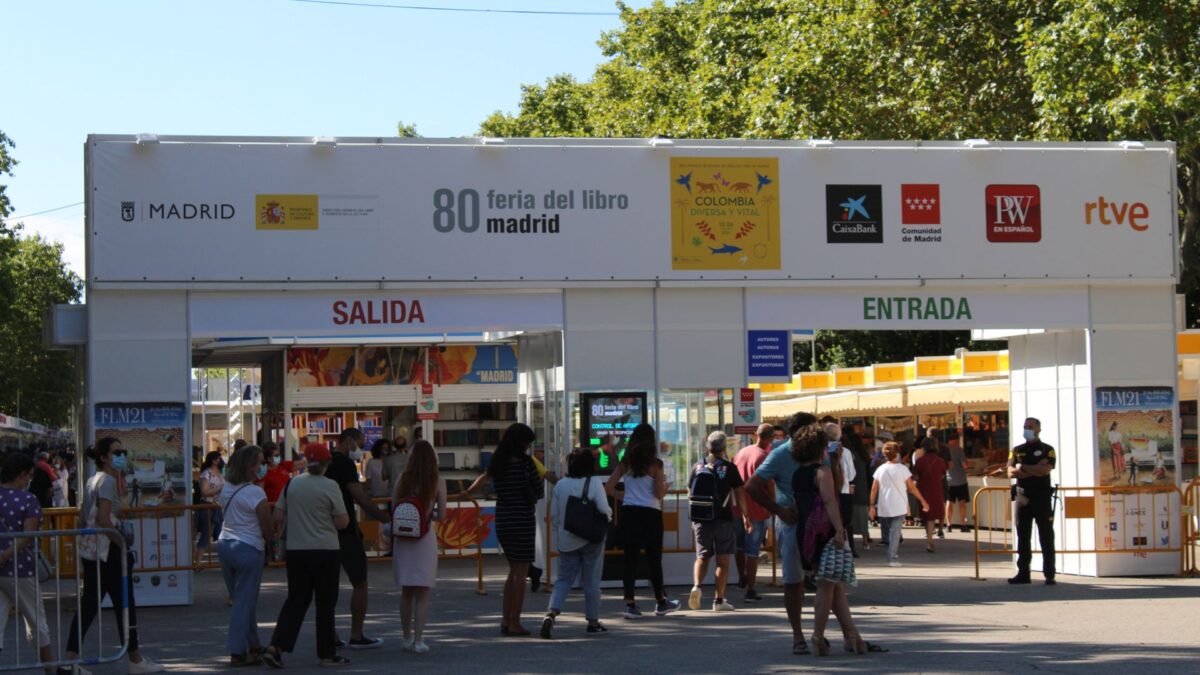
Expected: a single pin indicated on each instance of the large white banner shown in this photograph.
(421, 210)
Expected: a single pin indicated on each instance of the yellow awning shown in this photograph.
(816, 381)
(845, 378)
(976, 364)
(938, 367)
(1188, 342)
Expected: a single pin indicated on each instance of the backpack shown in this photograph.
(702, 494)
(409, 520)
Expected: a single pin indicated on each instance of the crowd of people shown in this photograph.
(815, 482)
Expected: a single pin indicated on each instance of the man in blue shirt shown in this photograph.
(775, 475)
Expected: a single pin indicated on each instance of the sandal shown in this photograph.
(800, 648)
(335, 660)
(821, 645)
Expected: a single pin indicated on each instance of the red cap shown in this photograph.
(317, 452)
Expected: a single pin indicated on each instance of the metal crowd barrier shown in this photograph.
(1191, 529)
(58, 589)
(671, 519)
(1081, 509)
(460, 535)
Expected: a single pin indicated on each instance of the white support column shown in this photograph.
(1132, 344)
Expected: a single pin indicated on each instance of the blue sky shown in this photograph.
(260, 67)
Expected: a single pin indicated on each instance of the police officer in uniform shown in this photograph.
(1031, 463)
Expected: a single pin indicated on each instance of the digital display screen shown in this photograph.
(613, 415)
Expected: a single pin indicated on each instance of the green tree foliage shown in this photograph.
(892, 69)
(1120, 69)
(33, 278)
(406, 130)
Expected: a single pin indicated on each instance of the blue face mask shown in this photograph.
(118, 462)
(1029, 435)
(262, 471)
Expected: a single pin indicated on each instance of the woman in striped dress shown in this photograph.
(518, 488)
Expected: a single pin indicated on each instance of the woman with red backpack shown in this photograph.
(419, 499)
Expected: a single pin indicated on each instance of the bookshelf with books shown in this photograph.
(469, 429)
(325, 426)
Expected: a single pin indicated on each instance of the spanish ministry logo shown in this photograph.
(1014, 213)
(854, 214)
(286, 212)
(127, 211)
(921, 204)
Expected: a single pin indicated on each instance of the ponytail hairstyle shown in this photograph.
(101, 449)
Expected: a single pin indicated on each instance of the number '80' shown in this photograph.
(446, 217)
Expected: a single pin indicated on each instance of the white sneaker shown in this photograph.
(722, 606)
(145, 666)
(894, 563)
(694, 598)
(421, 647)
(407, 644)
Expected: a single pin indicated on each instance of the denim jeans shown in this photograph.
(242, 567)
(583, 564)
(891, 534)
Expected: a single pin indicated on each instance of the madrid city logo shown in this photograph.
(128, 212)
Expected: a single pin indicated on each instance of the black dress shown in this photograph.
(518, 489)
(806, 493)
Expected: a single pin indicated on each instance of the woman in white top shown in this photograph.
(578, 557)
(641, 522)
(208, 521)
(62, 484)
(414, 559)
(241, 548)
(377, 485)
(889, 501)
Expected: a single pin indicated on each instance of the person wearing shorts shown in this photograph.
(754, 517)
(774, 475)
(716, 538)
(957, 491)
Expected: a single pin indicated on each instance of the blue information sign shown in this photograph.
(769, 355)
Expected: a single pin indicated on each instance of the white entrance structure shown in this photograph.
(652, 259)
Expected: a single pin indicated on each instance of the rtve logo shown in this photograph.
(1119, 213)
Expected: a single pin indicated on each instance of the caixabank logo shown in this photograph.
(1014, 214)
(854, 214)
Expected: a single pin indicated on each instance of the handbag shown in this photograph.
(837, 564)
(817, 530)
(44, 571)
(583, 519)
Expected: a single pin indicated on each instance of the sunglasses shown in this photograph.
(120, 452)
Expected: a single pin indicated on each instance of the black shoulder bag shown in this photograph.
(583, 519)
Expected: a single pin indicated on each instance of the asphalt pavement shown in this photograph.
(930, 613)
